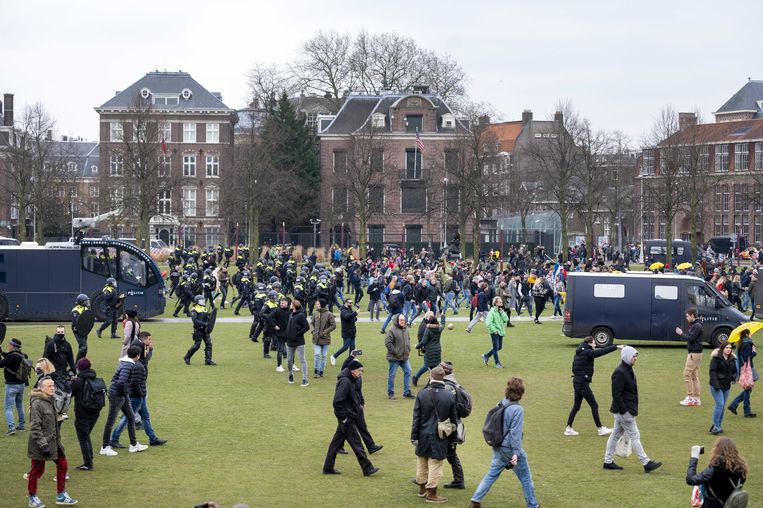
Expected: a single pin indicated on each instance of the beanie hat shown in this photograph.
(131, 313)
(322, 302)
(447, 367)
(15, 343)
(354, 364)
(437, 374)
(83, 364)
(628, 353)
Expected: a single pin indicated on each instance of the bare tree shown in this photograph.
(589, 183)
(323, 66)
(267, 82)
(619, 174)
(444, 76)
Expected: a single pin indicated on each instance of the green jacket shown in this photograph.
(496, 321)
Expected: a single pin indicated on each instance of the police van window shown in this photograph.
(665, 292)
(609, 290)
(132, 269)
(680, 251)
(657, 249)
(98, 260)
(699, 296)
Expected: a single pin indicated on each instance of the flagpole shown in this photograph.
(415, 154)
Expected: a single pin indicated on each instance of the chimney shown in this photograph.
(686, 120)
(484, 120)
(8, 111)
(559, 117)
(527, 116)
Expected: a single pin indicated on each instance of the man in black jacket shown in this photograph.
(625, 409)
(85, 417)
(348, 409)
(295, 341)
(348, 316)
(14, 386)
(60, 353)
(118, 401)
(280, 317)
(693, 340)
(112, 300)
(582, 374)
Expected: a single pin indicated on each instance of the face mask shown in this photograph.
(59, 336)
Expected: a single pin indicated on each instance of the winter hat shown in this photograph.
(131, 313)
(322, 302)
(437, 374)
(628, 353)
(354, 364)
(447, 367)
(15, 343)
(83, 364)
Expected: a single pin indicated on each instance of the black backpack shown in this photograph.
(93, 396)
(492, 430)
(463, 400)
(738, 497)
(24, 371)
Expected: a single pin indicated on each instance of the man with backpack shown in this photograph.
(89, 394)
(16, 369)
(463, 409)
(503, 431)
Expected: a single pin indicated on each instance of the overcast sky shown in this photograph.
(618, 62)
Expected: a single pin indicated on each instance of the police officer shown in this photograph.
(244, 292)
(268, 316)
(83, 303)
(111, 299)
(200, 320)
(174, 281)
(258, 305)
(209, 284)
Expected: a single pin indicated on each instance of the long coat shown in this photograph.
(430, 343)
(43, 428)
(424, 427)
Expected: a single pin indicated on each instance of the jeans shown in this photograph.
(481, 315)
(140, 407)
(501, 458)
(744, 399)
(424, 368)
(299, 350)
(320, 352)
(558, 305)
(625, 423)
(374, 306)
(347, 345)
(497, 346)
(450, 301)
(392, 313)
(720, 397)
(406, 366)
(407, 310)
(117, 404)
(745, 301)
(14, 396)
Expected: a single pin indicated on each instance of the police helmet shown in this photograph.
(194, 275)
(260, 286)
(272, 295)
(246, 273)
(299, 280)
(322, 278)
(185, 276)
(112, 281)
(208, 271)
(276, 285)
(198, 300)
(273, 279)
(82, 299)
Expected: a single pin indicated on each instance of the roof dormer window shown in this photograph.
(378, 120)
(448, 121)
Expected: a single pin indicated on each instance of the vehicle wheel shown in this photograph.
(98, 305)
(719, 335)
(602, 336)
(3, 307)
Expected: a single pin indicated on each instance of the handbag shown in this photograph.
(746, 379)
(623, 447)
(696, 496)
(446, 428)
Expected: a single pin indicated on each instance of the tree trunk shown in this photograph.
(476, 240)
(361, 239)
(39, 229)
(22, 222)
(669, 241)
(462, 237)
(693, 232)
(563, 232)
(253, 218)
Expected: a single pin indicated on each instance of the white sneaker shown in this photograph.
(686, 402)
(109, 451)
(137, 448)
(294, 368)
(55, 478)
(333, 360)
(604, 431)
(569, 431)
(695, 402)
(280, 369)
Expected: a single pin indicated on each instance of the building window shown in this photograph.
(117, 195)
(757, 199)
(212, 235)
(741, 157)
(413, 233)
(452, 196)
(165, 202)
(413, 170)
(117, 131)
(725, 198)
(213, 202)
(340, 161)
(189, 236)
(647, 222)
(189, 165)
(758, 234)
(189, 202)
(376, 199)
(413, 200)
(93, 191)
(717, 226)
(737, 198)
(704, 158)
(189, 133)
(165, 132)
(60, 191)
(376, 233)
(339, 199)
(450, 160)
(377, 159)
(93, 209)
(414, 123)
(721, 157)
(647, 163)
(663, 221)
(213, 165)
(758, 156)
(745, 225)
(94, 170)
(116, 165)
(378, 120)
(164, 165)
(310, 118)
(213, 133)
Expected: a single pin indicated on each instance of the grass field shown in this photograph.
(239, 433)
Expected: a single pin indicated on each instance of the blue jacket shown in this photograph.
(513, 422)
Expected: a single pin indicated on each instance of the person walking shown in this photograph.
(457, 437)
(540, 293)
(693, 338)
(111, 300)
(434, 404)
(324, 323)
(559, 289)
(89, 392)
(295, 341)
(510, 454)
(131, 329)
(582, 375)
(482, 307)
(347, 316)
(398, 344)
(45, 444)
(430, 346)
(745, 353)
(625, 410)
(726, 470)
(348, 404)
(723, 371)
(506, 297)
(15, 364)
(496, 322)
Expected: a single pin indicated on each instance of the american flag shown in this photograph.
(419, 143)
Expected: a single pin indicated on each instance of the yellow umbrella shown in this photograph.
(684, 266)
(752, 326)
(656, 266)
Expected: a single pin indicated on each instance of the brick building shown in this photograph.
(412, 202)
(195, 134)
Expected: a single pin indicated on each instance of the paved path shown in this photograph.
(248, 319)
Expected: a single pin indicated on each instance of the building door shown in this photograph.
(164, 235)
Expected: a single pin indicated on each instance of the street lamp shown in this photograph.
(315, 223)
(444, 241)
